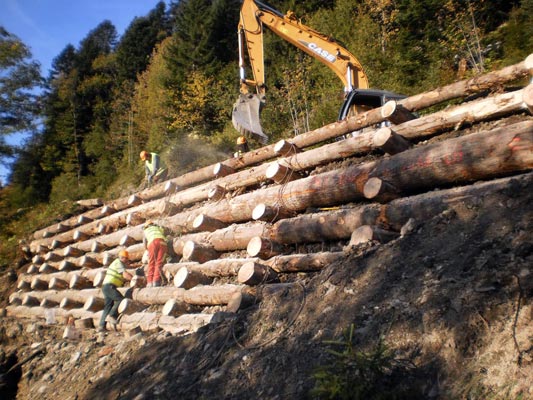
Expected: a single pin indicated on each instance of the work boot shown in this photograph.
(156, 284)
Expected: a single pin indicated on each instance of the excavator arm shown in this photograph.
(254, 16)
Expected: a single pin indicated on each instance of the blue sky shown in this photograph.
(47, 26)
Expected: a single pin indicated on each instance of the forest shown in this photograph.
(169, 82)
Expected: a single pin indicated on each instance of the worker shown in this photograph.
(155, 242)
(242, 147)
(115, 277)
(154, 168)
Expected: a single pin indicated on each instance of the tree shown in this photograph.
(136, 45)
(20, 79)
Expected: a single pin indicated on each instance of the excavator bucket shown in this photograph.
(245, 116)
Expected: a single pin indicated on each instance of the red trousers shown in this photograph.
(157, 251)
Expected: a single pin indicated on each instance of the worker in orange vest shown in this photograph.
(153, 166)
(155, 242)
(115, 277)
(242, 147)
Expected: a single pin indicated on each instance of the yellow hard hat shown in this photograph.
(241, 140)
(124, 253)
(144, 155)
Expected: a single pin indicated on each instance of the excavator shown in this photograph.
(254, 16)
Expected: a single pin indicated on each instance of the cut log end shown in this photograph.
(252, 273)
(221, 170)
(204, 223)
(284, 148)
(280, 173)
(263, 248)
(377, 189)
(216, 193)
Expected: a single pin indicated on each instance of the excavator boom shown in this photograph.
(254, 15)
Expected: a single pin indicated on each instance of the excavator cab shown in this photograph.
(361, 100)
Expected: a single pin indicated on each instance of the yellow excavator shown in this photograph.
(254, 15)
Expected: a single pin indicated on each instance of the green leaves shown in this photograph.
(19, 81)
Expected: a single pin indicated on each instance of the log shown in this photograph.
(38, 284)
(485, 155)
(66, 265)
(15, 299)
(367, 233)
(170, 188)
(78, 236)
(216, 193)
(263, 248)
(220, 170)
(157, 295)
(30, 301)
(262, 212)
(99, 278)
(83, 219)
(380, 190)
(466, 113)
(129, 306)
(134, 200)
(303, 262)
(396, 113)
(107, 210)
(57, 284)
(46, 268)
(204, 223)
(80, 282)
(390, 142)
(134, 218)
(210, 295)
(97, 247)
(223, 267)
(38, 259)
(89, 262)
(70, 251)
(281, 174)
(32, 269)
(253, 273)
(93, 304)
(24, 285)
(69, 304)
(47, 303)
(59, 314)
(138, 281)
(52, 256)
(127, 240)
(187, 279)
(167, 208)
(240, 301)
(285, 148)
(175, 308)
(196, 252)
